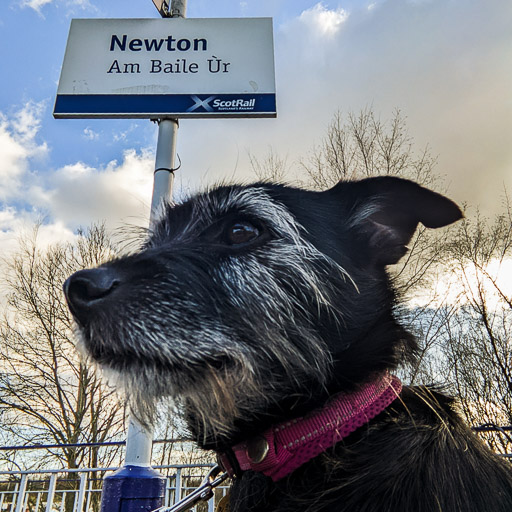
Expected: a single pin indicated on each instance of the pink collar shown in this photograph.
(285, 447)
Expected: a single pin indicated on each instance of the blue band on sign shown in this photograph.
(160, 105)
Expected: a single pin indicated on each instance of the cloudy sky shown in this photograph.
(446, 64)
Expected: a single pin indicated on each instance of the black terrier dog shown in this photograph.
(266, 313)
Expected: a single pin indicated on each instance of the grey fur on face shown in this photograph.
(221, 333)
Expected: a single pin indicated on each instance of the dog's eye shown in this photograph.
(242, 233)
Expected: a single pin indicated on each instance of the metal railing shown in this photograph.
(504, 431)
(79, 490)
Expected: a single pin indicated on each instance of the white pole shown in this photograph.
(138, 445)
(164, 164)
(139, 441)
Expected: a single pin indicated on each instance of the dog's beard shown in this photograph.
(218, 394)
(208, 394)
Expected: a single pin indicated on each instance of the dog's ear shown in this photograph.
(385, 212)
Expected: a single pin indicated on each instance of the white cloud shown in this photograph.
(18, 146)
(311, 36)
(12, 162)
(444, 64)
(74, 195)
(38, 5)
(455, 287)
(122, 136)
(16, 225)
(90, 134)
(26, 124)
(323, 21)
(121, 192)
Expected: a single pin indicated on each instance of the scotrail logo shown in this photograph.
(216, 104)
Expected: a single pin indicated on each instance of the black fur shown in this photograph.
(416, 456)
(250, 305)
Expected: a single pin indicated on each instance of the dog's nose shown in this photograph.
(86, 288)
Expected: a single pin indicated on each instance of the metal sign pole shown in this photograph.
(162, 191)
(167, 133)
(137, 483)
(139, 439)
(164, 164)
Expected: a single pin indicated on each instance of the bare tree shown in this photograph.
(178, 447)
(478, 333)
(272, 168)
(362, 145)
(47, 394)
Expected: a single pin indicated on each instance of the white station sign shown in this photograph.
(175, 67)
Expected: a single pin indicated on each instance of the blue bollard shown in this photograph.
(133, 489)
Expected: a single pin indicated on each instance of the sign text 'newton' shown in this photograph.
(155, 45)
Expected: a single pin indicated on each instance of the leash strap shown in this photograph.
(203, 493)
